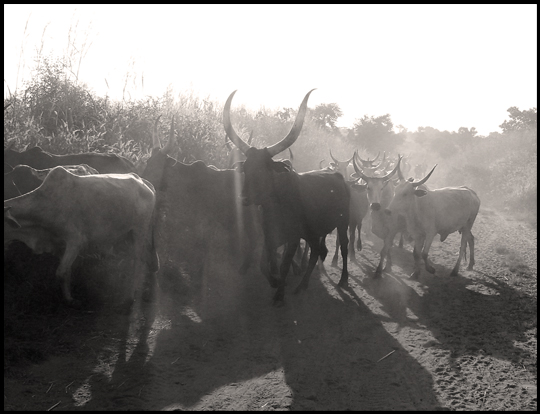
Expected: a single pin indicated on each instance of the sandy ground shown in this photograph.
(210, 338)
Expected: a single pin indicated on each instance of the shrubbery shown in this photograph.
(64, 116)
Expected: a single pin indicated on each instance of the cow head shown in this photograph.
(259, 167)
(377, 187)
(341, 166)
(405, 192)
(367, 163)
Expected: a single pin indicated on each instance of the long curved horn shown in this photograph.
(334, 158)
(391, 173)
(364, 162)
(423, 180)
(320, 164)
(250, 137)
(359, 171)
(155, 138)
(291, 154)
(379, 153)
(233, 136)
(400, 175)
(295, 130)
(168, 148)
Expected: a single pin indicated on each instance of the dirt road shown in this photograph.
(211, 339)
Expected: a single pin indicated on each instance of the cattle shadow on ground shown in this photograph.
(226, 340)
(462, 319)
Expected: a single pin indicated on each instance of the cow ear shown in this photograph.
(238, 166)
(420, 193)
(333, 164)
(280, 167)
(359, 187)
(9, 219)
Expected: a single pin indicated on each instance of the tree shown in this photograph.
(519, 120)
(326, 115)
(376, 133)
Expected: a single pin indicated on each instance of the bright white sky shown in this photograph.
(443, 66)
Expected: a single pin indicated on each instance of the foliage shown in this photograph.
(519, 120)
(326, 116)
(64, 116)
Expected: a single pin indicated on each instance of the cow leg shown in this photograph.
(304, 262)
(425, 251)
(352, 235)
(385, 251)
(268, 265)
(313, 257)
(249, 253)
(342, 234)
(418, 242)
(462, 251)
(335, 258)
(284, 270)
(471, 251)
(359, 241)
(63, 273)
(401, 240)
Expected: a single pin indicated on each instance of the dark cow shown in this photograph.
(294, 205)
(358, 209)
(23, 179)
(68, 214)
(430, 212)
(200, 197)
(37, 158)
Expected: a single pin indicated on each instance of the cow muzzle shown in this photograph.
(375, 206)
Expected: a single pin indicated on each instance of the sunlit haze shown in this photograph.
(443, 66)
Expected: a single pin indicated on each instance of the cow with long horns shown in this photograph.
(294, 205)
(358, 209)
(379, 192)
(430, 212)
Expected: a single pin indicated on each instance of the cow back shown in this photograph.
(325, 199)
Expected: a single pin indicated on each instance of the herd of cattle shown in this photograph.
(67, 204)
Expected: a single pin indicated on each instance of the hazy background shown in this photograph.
(444, 66)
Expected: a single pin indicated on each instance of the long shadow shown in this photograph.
(463, 321)
(227, 347)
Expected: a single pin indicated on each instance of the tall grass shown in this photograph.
(56, 111)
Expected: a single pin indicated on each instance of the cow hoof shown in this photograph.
(454, 273)
(344, 284)
(430, 269)
(470, 267)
